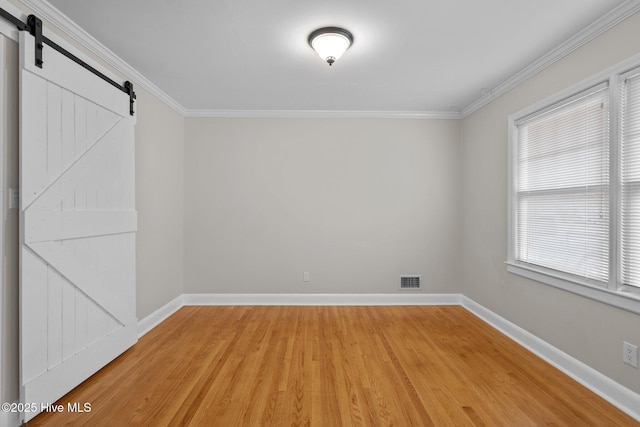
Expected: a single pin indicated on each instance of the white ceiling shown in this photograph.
(408, 55)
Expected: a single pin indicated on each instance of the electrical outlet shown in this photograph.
(306, 277)
(630, 354)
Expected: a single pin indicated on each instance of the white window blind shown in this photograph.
(562, 186)
(630, 179)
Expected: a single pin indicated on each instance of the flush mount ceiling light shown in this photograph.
(330, 42)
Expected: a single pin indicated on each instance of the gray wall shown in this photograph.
(159, 200)
(354, 202)
(589, 331)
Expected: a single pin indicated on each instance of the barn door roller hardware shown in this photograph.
(34, 27)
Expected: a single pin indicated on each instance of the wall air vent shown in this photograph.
(410, 281)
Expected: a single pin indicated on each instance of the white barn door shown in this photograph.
(78, 223)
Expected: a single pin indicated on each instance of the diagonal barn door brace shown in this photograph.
(34, 27)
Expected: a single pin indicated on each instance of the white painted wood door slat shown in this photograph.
(83, 82)
(54, 318)
(99, 286)
(44, 226)
(77, 225)
(33, 359)
(32, 181)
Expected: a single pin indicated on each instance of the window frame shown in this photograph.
(631, 72)
(613, 292)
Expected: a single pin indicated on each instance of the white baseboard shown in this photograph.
(10, 419)
(322, 299)
(158, 316)
(616, 394)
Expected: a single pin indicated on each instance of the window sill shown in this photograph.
(625, 299)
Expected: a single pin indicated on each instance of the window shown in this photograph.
(574, 213)
(630, 179)
(562, 193)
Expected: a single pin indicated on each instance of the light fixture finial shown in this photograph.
(330, 42)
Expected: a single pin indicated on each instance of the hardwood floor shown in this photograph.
(331, 366)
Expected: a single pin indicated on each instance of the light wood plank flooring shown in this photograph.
(331, 366)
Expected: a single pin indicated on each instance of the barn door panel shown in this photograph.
(78, 223)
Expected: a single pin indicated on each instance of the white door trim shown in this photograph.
(6, 28)
(3, 214)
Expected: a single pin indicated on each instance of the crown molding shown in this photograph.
(325, 114)
(592, 31)
(47, 12)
